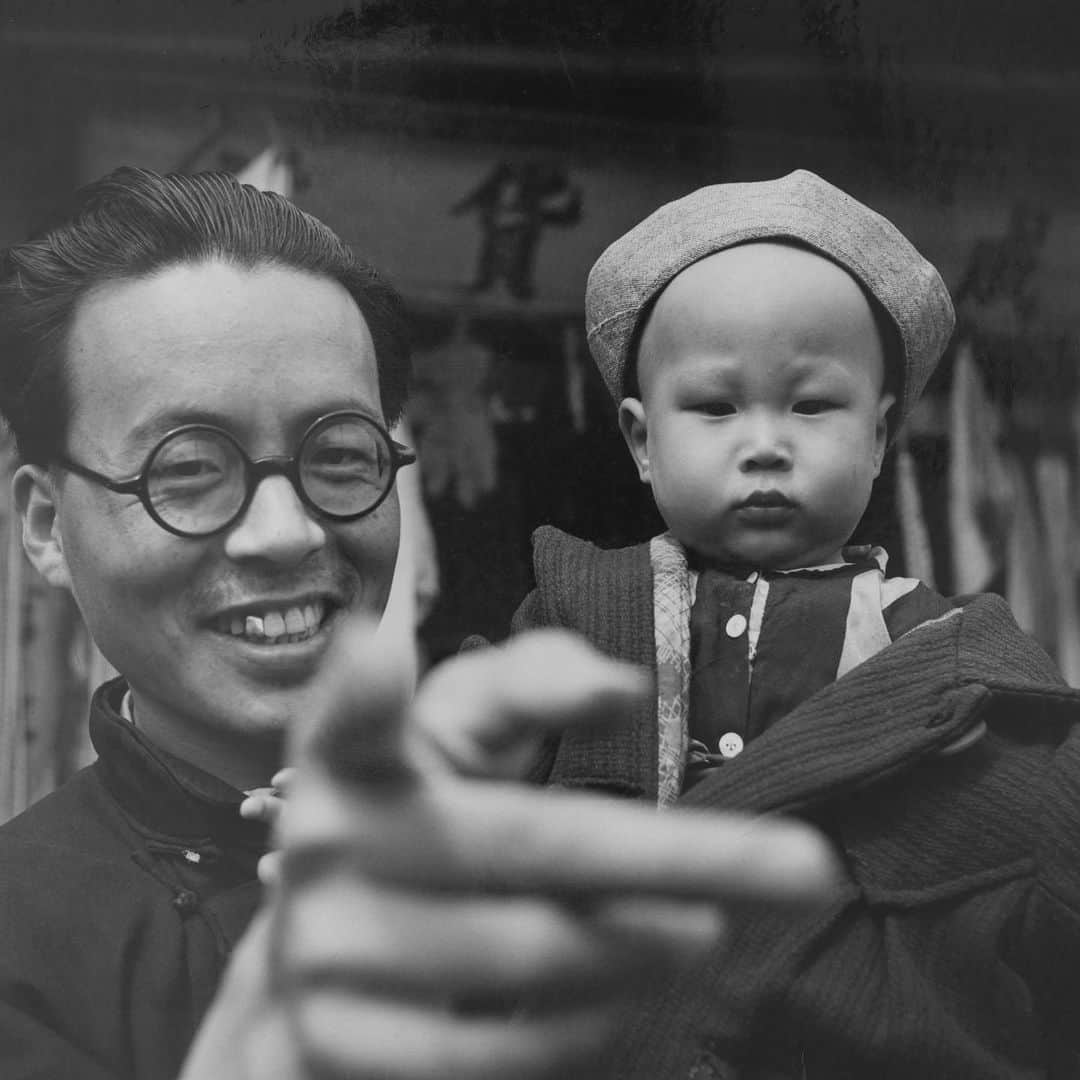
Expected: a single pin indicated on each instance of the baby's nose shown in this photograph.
(766, 446)
(767, 457)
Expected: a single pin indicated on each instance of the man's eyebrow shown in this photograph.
(154, 427)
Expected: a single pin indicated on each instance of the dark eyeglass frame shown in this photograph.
(255, 471)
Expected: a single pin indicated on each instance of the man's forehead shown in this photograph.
(244, 344)
(216, 298)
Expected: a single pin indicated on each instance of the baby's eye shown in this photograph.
(717, 408)
(812, 406)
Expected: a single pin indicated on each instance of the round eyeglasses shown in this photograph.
(198, 481)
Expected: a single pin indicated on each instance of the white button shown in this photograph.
(736, 626)
(731, 745)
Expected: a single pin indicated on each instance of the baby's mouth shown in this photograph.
(767, 500)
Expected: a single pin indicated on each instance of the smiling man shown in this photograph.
(199, 378)
(213, 592)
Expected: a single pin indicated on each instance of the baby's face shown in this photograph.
(761, 423)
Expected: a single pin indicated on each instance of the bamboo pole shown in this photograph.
(12, 718)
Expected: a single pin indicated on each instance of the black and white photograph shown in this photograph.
(418, 422)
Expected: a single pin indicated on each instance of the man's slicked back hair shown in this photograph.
(133, 223)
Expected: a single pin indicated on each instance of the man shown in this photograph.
(199, 378)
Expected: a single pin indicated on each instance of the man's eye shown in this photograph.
(344, 462)
(336, 455)
(812, 406)
(189, 469)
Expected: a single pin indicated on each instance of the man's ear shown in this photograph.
(635, 430)
(881, 433)
(34, 493)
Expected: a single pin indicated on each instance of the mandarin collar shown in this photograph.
(164, 795)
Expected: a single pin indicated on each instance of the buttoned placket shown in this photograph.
(723, 640)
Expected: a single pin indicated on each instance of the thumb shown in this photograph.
(242, 1005)
(357, 731)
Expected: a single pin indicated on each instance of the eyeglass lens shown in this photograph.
(344, 466)
(197, 480)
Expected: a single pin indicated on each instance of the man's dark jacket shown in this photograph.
(121, 895)
(954, 951)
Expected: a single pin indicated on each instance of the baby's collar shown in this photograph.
(853, 553)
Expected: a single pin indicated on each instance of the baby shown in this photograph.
(763, 342)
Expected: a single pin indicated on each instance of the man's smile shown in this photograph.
(278, 621)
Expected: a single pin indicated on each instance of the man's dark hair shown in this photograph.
(133, 223)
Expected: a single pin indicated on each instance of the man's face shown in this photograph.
(261, 353)
(761, 424)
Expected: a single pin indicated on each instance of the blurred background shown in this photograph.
(484, 153)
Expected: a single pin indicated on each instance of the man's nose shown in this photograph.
(766, 444)
(276, 526)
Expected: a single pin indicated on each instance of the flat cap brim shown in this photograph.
(799, 207)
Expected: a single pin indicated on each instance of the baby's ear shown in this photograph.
(881, 433)
(635, 430)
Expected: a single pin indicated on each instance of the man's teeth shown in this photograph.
(274, 627)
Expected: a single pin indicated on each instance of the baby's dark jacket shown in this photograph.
(953, 950)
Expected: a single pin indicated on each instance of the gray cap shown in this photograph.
(800, 207)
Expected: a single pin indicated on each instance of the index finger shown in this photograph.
(539, 681)
(500, 838)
